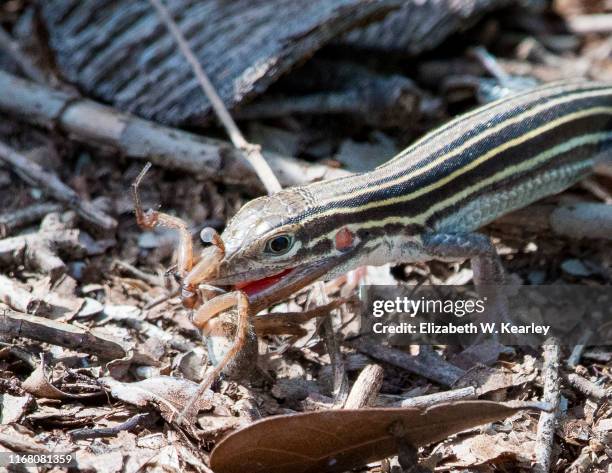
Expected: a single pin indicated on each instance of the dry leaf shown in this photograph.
(13, 407)
(108, 462)
(482, 449)
(169, 395)
(486, 379)
(38, 385)
(339, 440)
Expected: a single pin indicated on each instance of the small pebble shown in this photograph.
(575, 267)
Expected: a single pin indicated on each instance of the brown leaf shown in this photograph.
(486, 379)
(339, 440)
(496, 448)
(169, 395)
(38, 385)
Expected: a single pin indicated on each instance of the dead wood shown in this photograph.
(12, 221)
(244, 46)
(574, 358)
(333, 87)
(589, 24)
(93, 123)
(340, 386)
(251, 152)
(54, 187)
(15, 296)
(428, 400)
(428, 365)
(366, 388)
(552, 395)
(16, 324)
(27, 66)
(94, 433)
(41, 250)
(586, 387)
(420, 25)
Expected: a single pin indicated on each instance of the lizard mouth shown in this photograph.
(254, 287)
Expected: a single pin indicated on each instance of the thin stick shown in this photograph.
(366, 388)
(428, 365)
(340, 379)
(429, 400)
(574, 358)
(587, 387)
(95, 124)
(54, 187)
(9, 222)
(552, 395)
(130, 424)
(252, 152)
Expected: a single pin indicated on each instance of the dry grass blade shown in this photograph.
(251, 152)
(338, 440)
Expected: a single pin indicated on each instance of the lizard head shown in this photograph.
(272, 248)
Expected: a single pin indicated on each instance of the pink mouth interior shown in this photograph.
(253, 287)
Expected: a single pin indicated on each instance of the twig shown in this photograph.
(53, 186)
(17, 297)
(91, 122)
(10, 222)
(150, 279)
(437, 398)
(587, 387)
(366, 388)
(598, 190)
(39, 250)
(252, 152)
(340, 379)
(8, 45)
(276, 323)
(490, 63)
(161, 299)
(16, 324)
(552, 395)
(430, 366)
(130, 424)
(584, 461)
(588, 24)
(574, 358)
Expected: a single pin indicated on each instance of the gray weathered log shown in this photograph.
(120, 52)
(421, 25)
(93, 123)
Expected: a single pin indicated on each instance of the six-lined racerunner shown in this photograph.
(425, 203)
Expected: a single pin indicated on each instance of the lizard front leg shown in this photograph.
(489, 274)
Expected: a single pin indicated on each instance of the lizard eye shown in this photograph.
(279, 244)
